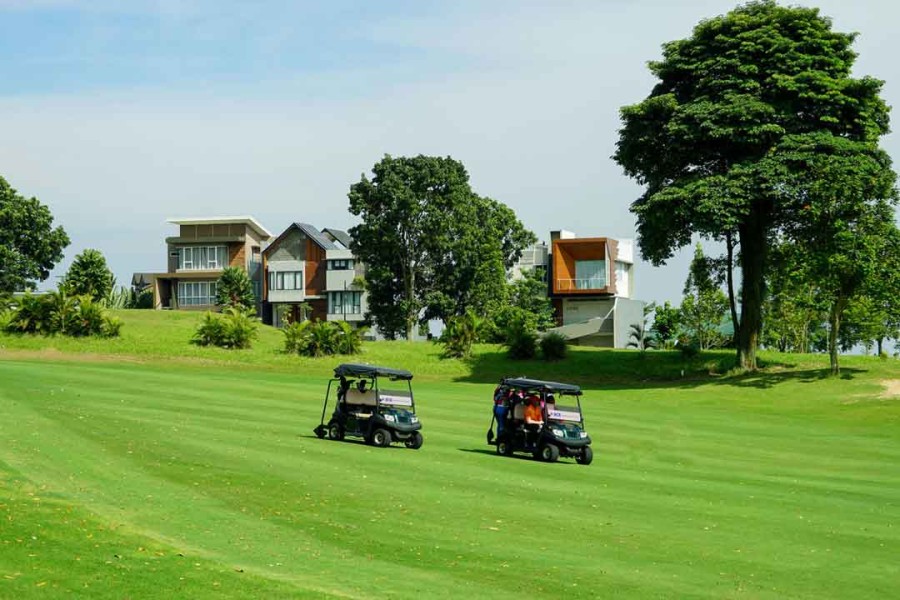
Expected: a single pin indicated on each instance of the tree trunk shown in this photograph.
(753, 263)
(409, 291)
(879, 343)
(837, 309)
(729, 265)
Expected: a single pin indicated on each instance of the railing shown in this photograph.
(569, 285)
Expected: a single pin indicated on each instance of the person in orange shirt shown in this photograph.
(533, 413)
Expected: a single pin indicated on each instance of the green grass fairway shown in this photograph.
(165, 478)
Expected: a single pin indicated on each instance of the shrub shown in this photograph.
(459, 335)
(233, 328)
(521, 342)
(6, 316)
(322, 338)
(554, 346)
(30, 314)
(60, 313)
(294, 337)
(88, 318)
(89, 276)
(234, 289)
(119, 297)
(689, 347)
(349, 340)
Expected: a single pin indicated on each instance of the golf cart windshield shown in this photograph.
(565, 422)
(564, 414)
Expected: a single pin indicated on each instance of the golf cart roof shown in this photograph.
(547, 386)
(355, 370)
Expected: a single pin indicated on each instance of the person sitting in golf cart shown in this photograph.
(533, 414)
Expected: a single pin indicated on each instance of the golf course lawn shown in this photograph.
(137, 478)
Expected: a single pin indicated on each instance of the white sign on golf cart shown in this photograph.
(564, 415)
(394, 399)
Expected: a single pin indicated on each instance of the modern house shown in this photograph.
(312, 274)
(590, 282)
(198, 255)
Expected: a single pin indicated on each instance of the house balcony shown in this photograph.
(287, 296)
(337, 281)
(350, 317)
(588, 285)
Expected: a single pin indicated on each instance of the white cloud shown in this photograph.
(527, 98)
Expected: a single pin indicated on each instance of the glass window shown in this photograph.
(344, 303)
(196, 293)
(196, 258)
(340, 265)
(285, 280)
(590, 274)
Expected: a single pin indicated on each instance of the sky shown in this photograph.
(121, 115)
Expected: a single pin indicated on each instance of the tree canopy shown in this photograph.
(432, 247)
(712, 144)
(89, 276)
(234, 289)
(29, 244)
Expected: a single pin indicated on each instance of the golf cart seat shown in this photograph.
(361, 404)
(519, 412)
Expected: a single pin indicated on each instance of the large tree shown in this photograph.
(429, 242)
(29, 244)
(89, 276)
(745, 88)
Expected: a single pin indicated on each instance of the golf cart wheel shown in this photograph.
(381, 438)
(504, 448)
(549, 453)
(335, 432)
(414, 441)
(586, 456)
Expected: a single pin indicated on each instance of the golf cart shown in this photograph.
(365, 409)
(542, 418)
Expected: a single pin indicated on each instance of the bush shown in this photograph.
(322, 338)
(554, 346)
(233, 328)
(459, 335)
(30, 314)
(119, 297)
(234, 289)
(89, 276)
(521, 342)
(349, 340)
(141, 299)
(60, 313)
(689, 348)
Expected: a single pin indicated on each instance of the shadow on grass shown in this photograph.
(626, 369)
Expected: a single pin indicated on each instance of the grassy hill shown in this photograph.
(147, 467)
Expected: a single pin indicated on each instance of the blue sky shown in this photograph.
(119, 115)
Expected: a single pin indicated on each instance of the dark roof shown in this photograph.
(547, 386)
(315, 235)
(341, 236)
(308, 230)
(356, 370)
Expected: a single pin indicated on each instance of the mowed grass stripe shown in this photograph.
(454, 518)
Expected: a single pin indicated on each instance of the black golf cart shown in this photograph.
(365, 409)
(554, 425)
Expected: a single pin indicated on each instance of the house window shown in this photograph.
(590, 274)
(202, 258)
(196, 293)
(344, 303)
(344, 264)
(285, 280)
(255, 254)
